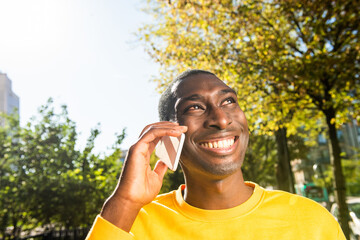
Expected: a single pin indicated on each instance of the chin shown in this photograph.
(223, 169)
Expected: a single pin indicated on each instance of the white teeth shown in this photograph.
(219, 144)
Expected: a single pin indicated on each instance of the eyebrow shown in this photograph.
(228, 90)
(196, 96)
(192, 98)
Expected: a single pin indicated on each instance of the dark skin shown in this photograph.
(209, 109)
(214, 149)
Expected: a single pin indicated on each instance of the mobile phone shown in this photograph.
(169, 150)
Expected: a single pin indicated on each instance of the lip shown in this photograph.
(221, 151)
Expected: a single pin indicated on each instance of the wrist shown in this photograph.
(120, 212)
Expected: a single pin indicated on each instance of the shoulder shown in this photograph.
(289, 199)
(298, 205)
(278, 196)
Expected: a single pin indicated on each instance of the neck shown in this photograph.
(217, 194)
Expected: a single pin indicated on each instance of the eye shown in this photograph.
(228, 101)
(194, 107)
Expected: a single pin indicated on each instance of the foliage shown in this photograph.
(217, 36)
(260, 160)
(277, 54)
(11, 177)
(352, 175)
(261, 157)
(45, 179)
(351, 172)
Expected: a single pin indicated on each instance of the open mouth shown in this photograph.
(218, 144)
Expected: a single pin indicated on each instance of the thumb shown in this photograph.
(160, 169)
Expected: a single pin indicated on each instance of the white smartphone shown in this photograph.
(169, 150)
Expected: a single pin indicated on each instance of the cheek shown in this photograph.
(240, 118)
(186, 153)
(185, 120)
(193, 125)
(189, 147)
(188, 144)
(245, 140)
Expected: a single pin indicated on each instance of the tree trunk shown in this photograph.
(284, 174)
(3, 225)
(339, 180)
(15, 228)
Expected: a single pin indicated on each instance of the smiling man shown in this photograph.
(215, 202)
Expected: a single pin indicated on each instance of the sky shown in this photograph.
(84, 54)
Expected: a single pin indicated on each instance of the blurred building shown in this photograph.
(318, 160)
(350, 139)
(9, 101)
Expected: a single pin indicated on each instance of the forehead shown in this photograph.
(201, 84)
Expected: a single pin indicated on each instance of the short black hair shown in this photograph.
(168, 98)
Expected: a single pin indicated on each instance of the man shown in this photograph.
(215, 202)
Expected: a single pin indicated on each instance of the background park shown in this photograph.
(295, 65)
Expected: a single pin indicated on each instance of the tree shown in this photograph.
(293, 61)
(260, 164)
(260, 161)
(11, 198)
(206, 35)
(45, 180)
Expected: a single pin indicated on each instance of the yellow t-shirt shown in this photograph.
(265, 215)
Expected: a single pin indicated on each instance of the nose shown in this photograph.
(218, 118)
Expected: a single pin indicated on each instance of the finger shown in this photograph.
(153, 135)
(152, 138)
(160, 169)
(159, 131)
(147, 143)
(164, 123)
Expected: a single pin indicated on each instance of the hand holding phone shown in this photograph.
(169, 150)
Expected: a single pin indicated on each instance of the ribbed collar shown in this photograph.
(218, 215)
